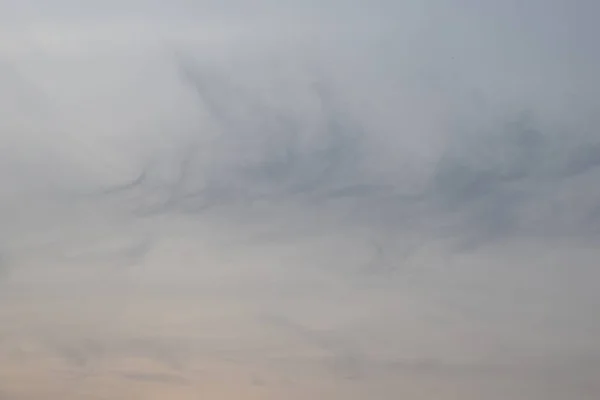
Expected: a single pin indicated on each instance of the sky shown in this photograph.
(299, 199)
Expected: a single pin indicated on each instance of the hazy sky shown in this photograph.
(299, 199)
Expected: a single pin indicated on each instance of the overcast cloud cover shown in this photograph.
(299, 199)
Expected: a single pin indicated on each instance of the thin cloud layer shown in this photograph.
(296, 200)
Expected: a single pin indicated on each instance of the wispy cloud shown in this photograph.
(407, 189)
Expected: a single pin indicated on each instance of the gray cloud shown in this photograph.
(479, 189)
(411, 187)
